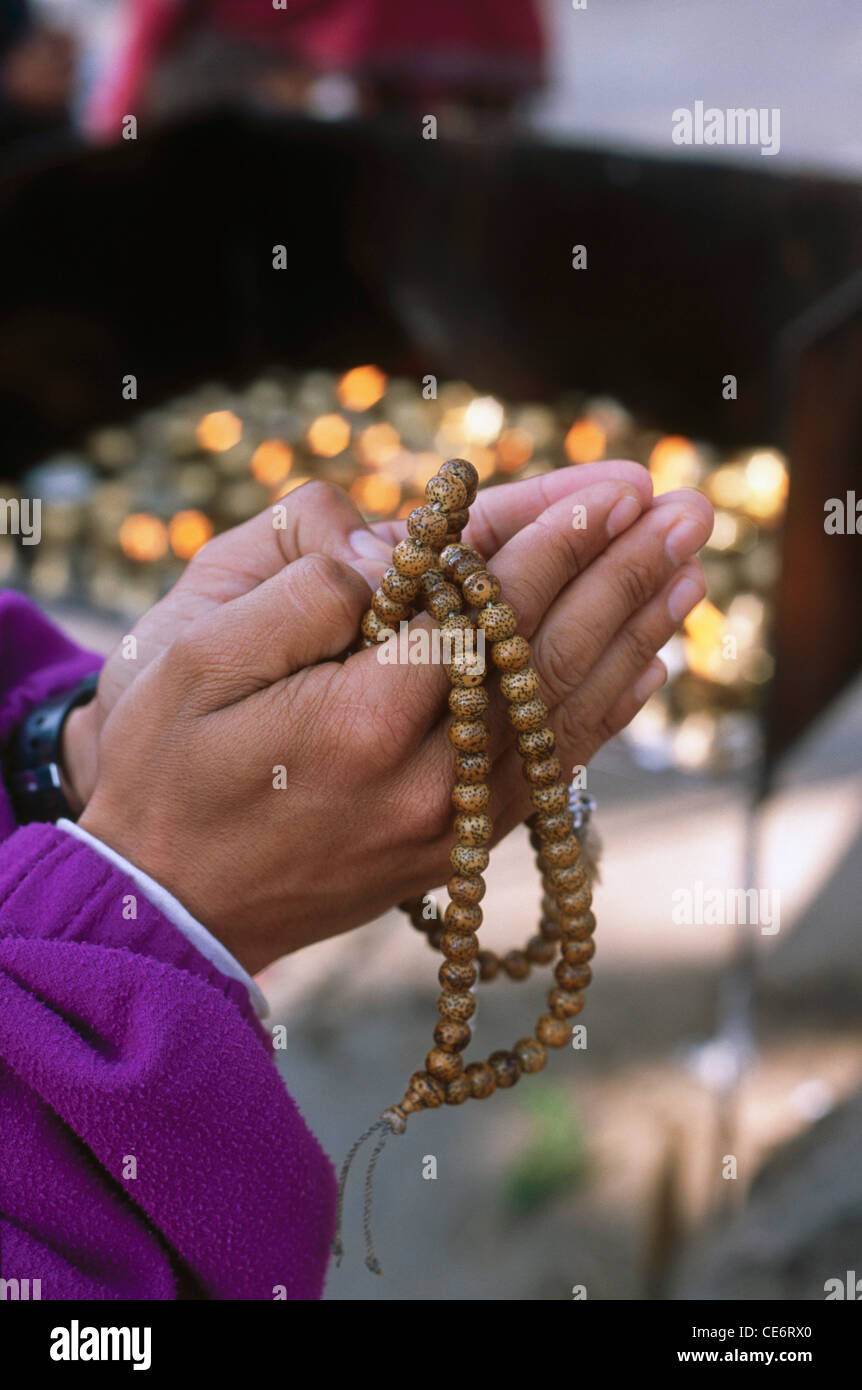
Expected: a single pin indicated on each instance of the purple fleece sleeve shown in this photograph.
(148, 1148)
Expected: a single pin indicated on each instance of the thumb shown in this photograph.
(309, 612)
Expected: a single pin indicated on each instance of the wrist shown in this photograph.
(79, 756)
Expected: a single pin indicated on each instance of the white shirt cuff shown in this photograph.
(171, 908)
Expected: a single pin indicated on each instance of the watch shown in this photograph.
(32, 763)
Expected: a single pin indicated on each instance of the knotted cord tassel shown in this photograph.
(337, 1243)
(371, 1260)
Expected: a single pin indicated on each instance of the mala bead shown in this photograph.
(458, 1089)
(469, 735)
(443, 1065)
(457, 1008)
(507, 1068)
(565, 1003)
(431, 580)
(457, 976)
(540, 951)
(460, 945)
(457, 520)
(435, 936)
(516, 965)
(467, 565)
(448, 490)
(498, 622)
(452, 1036)
(401, 587)
(542, 772)
(531, 1055)
(472, 767)
(554, 827)
(463, 917)
(452, 553)
(569, 878)
(372, 626)
(466, 671)
(489, 966)
(578, 952)
(576, 904)
(425, 1089)
(549, 799)
(427, 526)
(561, 854)
(443, 602)
(520, 686)
(533, 743)
(453, 622)
(468, 475)
(471, 796)
(466, 888)
(512, 654)
(572, 977)
(481, 588)
(553, 1032)
(468, 701)
(468, 859)
(550, 929)
(411, 558)
(532, 714)
(473, 829)
(389, 610)
(482, 1078)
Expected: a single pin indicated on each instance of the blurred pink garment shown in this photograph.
(443, 43)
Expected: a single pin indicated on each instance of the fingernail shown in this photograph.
(685, 539)
(653, 677)
(367, 546)
(627, 510)
(684, 595)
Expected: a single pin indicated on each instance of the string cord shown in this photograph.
(371, 1260)
(337, 1242)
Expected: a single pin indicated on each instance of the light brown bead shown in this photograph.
(513, 654)
(561, 854)
(463, 917)
(465, 566)
(466, 888)
(402, 587)
(550, 929)
(473, 828)
(443, 1065)
(554, 827)
(576, 905)
(507, 1068)
(458, 1008)
(471, 796)
(409, 557)
(451, 554)
(472, 767)
(389, 610)
(498, 622)
(568, 878)
(371, 626)
(540, 951)
(466, 671)
(453, 622)
(553, 1032)
(458, 1090)
(534, 743)
(451, 1036)
(531, 1055)
(579, 952)
(457, 520)
(483, 1081)
(481, 588)
(448, 490)
(444, 600)
(435, 934)
(532, 714)
(432, 579)
(460, 945)
(572, 977)
(469, 735)
(468, 859)
(520, 686)
(425, 1089)
(549, 800)
(451, 538)
(468, 475)
(516, 965)
(457, 976)
(565, 1003)
(543, 772)
(489, 966)
(469, 702)
(427, 526)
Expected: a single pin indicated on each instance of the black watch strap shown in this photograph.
(32, 761)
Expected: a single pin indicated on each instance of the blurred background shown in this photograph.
(246, 246)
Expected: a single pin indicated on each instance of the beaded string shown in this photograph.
(433, 570)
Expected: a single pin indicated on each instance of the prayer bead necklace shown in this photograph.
(432, 569)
